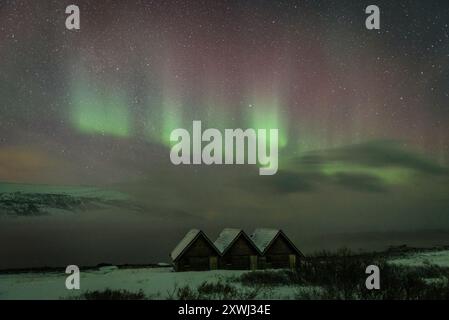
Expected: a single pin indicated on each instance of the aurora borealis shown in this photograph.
(362, 115)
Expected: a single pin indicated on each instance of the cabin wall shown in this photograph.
(197, 257)
(238, 257)
(279, 255)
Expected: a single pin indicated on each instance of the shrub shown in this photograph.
(109, 294)
(186, 293)
(342, 276)
(215, 291)
(266, 278)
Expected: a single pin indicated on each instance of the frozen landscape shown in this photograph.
(156, 283)
(429, 266)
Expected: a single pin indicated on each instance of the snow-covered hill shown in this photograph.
(32, 200)
(419, 259)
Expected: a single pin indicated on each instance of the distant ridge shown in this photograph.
(35, 200)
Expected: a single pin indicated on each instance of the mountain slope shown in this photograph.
(35, 200)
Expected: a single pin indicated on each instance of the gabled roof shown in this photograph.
(264, 237)
(187, 241)
(227, 238)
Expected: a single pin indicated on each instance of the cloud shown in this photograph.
(288, 182)
(377, 154)
(19, 164)
(360, 182)
(292, 182)
(368, 167)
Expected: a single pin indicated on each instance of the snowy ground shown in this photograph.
(156, 283)
(419, 259)
(162, 282)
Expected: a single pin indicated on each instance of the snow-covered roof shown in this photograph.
(226, 238)
(184, 243)
(263, 237)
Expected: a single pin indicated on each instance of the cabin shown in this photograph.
(237, 250)
(195, 252)
(277, 250)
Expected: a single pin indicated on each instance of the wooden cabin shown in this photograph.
(195, 252)
(277, 250)
(237, 250)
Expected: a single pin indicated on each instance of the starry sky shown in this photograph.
(361, 113)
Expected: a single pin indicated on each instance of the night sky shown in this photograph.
(362, 114)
